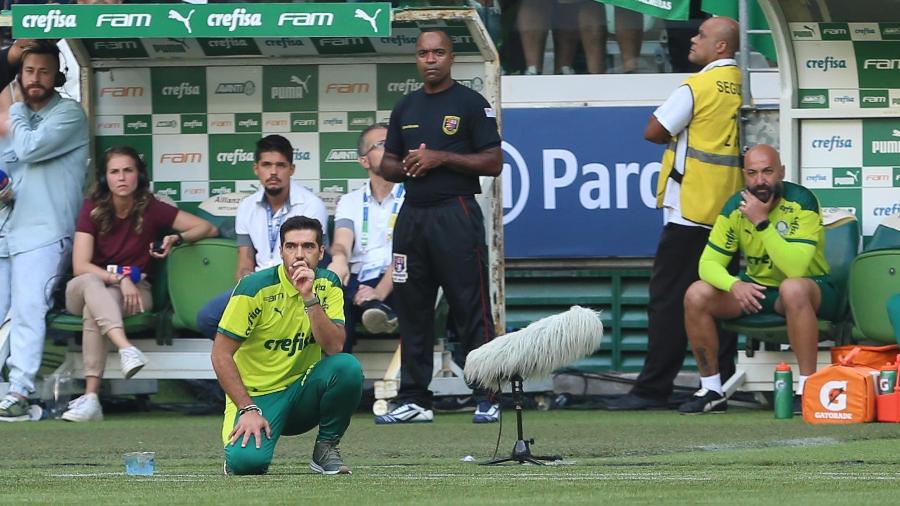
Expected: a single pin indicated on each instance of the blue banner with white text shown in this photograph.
(579, 182)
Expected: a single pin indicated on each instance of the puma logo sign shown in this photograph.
(301, 82)
(278, 310)
(173, 14)
(361, 14)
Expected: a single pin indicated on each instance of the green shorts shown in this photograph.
(325, 397)
(827, 309)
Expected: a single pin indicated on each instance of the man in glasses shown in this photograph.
(361, 248)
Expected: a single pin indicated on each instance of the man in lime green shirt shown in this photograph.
(268, 358)
(777, 227)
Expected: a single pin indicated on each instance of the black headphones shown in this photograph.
(143, 177)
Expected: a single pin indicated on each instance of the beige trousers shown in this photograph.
(100, 306)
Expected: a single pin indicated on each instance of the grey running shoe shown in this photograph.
(327, 459)
(13, 409)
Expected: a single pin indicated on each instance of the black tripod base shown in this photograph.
(522, 454)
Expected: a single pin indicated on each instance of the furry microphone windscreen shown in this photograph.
(537, 350)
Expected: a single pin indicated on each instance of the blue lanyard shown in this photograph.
(274, 223)
(398, 199)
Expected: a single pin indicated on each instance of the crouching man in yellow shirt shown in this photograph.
(268, 357)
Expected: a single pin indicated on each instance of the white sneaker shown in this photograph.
(406, 413)
(84, 409)
(531, 71)
(132, 361)
(567, 71)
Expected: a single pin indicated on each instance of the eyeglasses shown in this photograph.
(379, 144)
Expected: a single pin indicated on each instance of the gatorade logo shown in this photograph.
(833, 396)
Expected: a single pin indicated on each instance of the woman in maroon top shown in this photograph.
(117, 225)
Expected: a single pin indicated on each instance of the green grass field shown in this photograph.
(742, 457)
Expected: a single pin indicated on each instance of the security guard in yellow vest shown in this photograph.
(700, 169)
(708, 165)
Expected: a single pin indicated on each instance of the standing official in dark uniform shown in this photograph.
(441, 138)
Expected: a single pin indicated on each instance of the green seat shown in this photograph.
(150, 320)
(885, 236)
(197, 273)
(874, 278)
(841, 245)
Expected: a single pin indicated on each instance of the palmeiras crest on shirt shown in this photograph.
(451, 125)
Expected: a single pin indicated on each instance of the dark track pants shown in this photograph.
(674, 269)
(444, 245)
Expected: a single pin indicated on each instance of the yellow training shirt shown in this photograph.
(792, 246)
(266, 314)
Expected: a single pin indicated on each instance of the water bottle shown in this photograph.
(887, 380)
(784, 392)
(131, 271)
(56, 393)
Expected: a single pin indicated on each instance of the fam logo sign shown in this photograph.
(347, 87)
(878, 63)
(180, 157)
(125, 91)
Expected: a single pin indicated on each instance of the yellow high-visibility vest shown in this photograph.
(712, 161)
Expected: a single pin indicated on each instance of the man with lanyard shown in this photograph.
(46, 159)
(700, 170)
(777, 226)
(268, 357)
(440, 140)
(260, 216)
(361, 249)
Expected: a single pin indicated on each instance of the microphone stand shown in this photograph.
(521, 452)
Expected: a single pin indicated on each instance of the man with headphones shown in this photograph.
(47, 161)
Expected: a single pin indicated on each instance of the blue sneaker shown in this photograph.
(406, 413)
(486, 413)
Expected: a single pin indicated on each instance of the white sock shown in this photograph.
(801, 381)
(713, 383)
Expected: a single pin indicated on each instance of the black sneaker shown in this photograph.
(632, 402)
(327, 459)
(704, 401)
